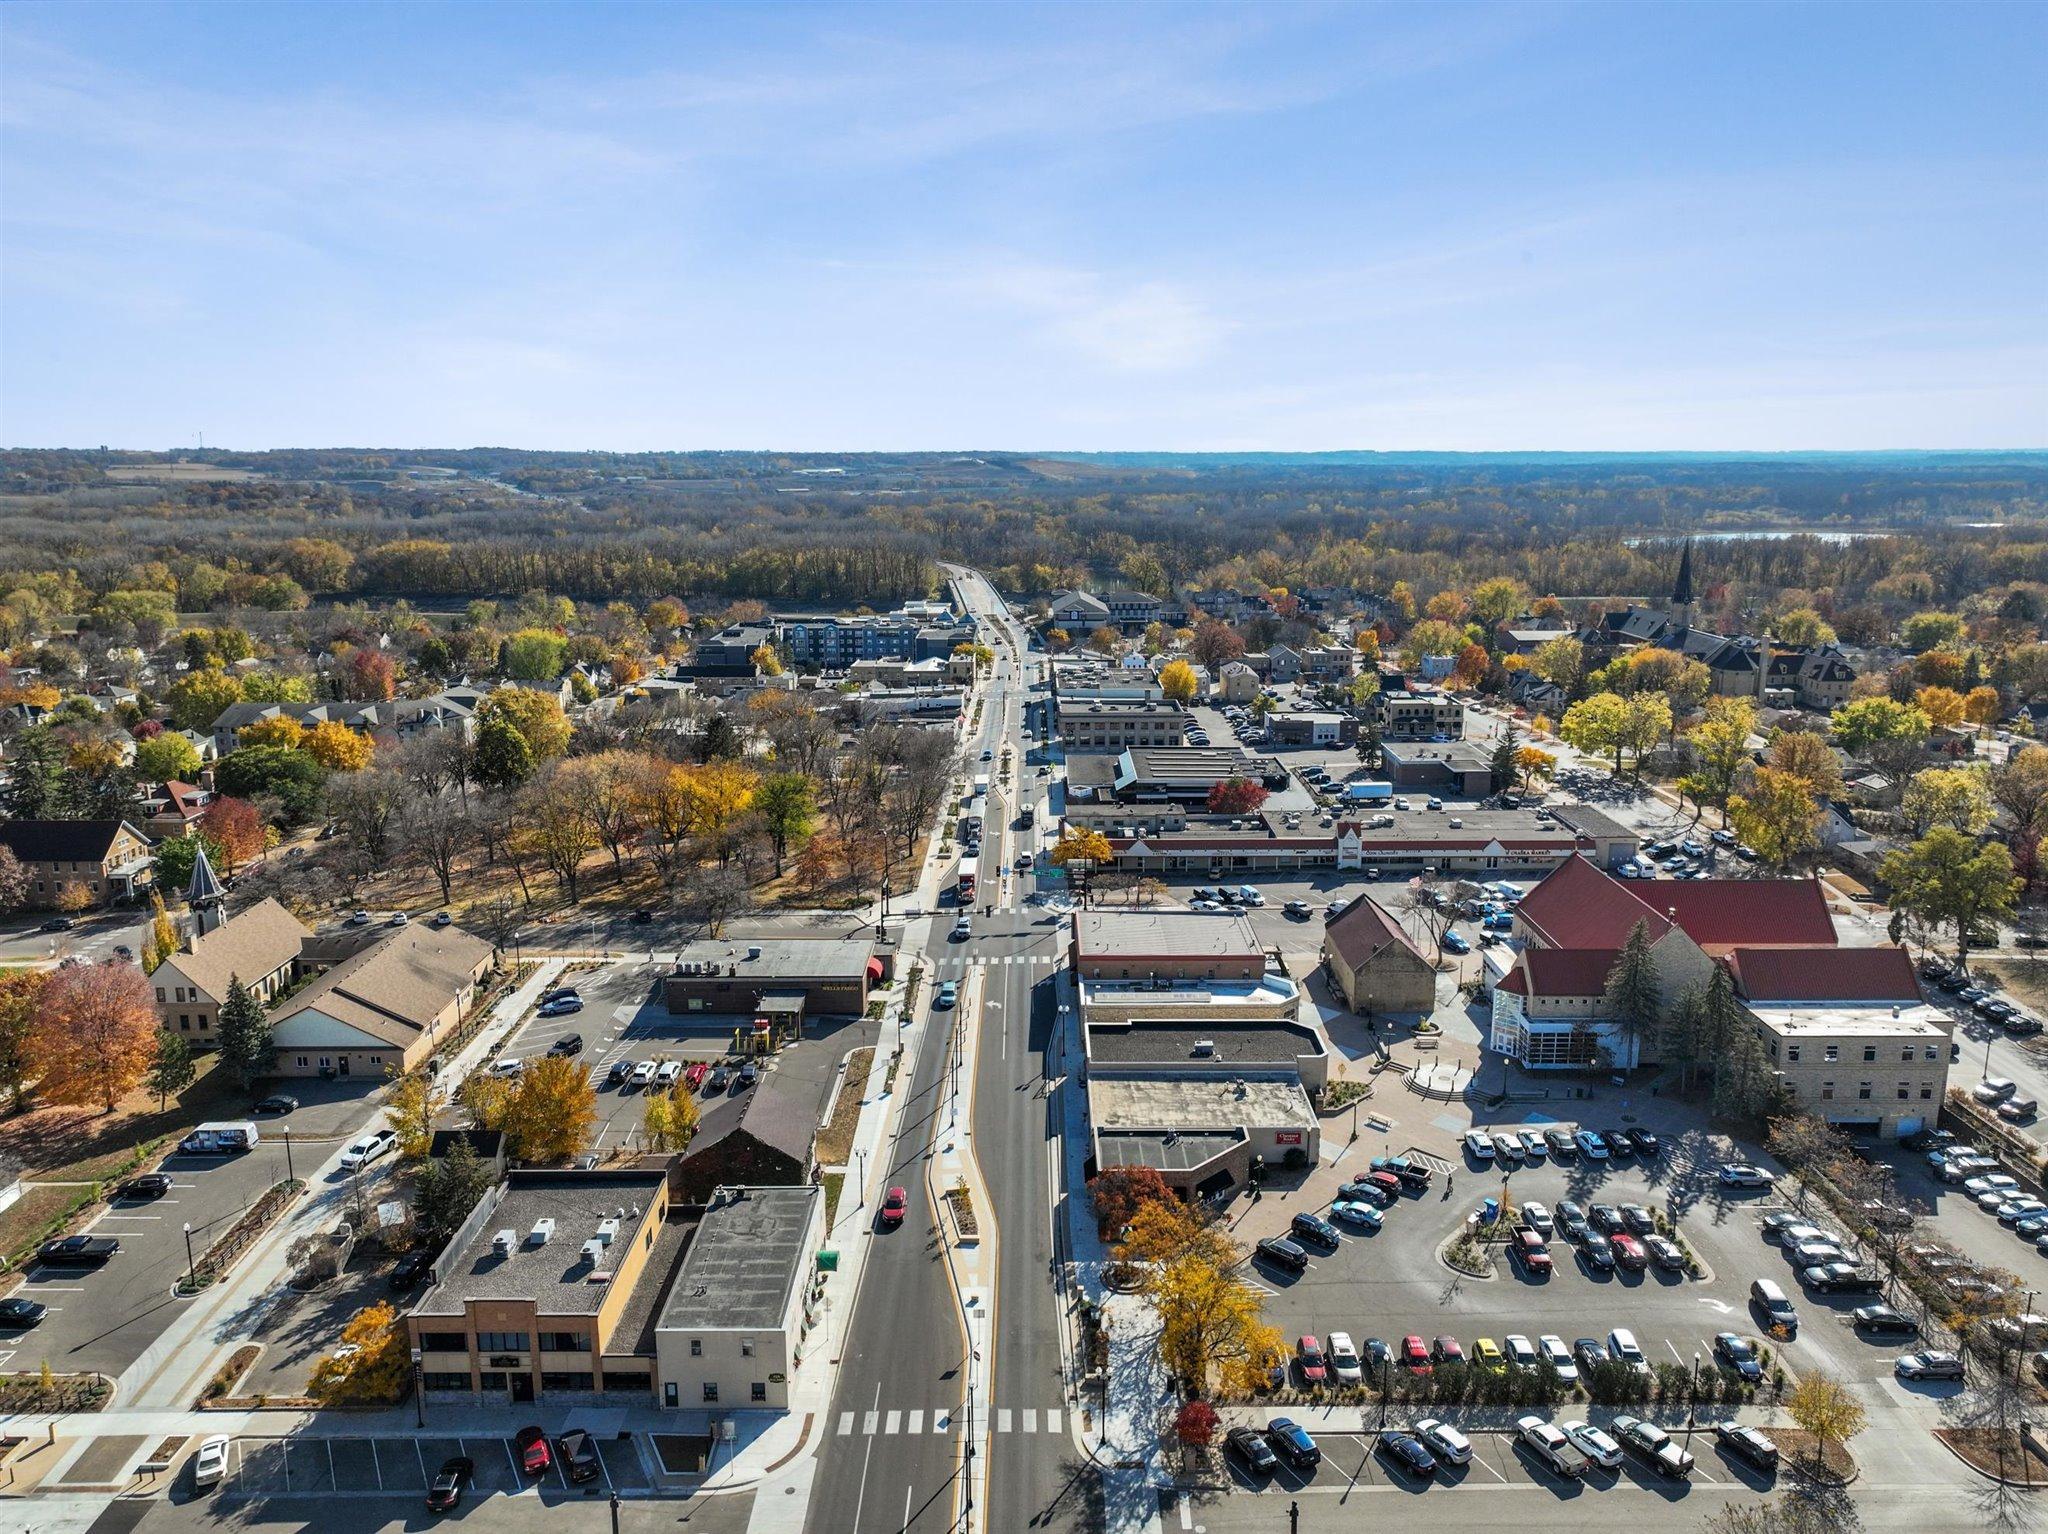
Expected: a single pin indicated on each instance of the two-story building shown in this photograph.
(78, 864)
(1113, 724)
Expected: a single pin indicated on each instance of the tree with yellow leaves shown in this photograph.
(1079, 852)
(536, 716)
(1826, 1408)
(1209, 1320)
(554, 1109)
(1982, 706)
(162, 941)
(1534, 765)
(414, 1104)
(1943, 706)
(370, 1366)
(669, 1121)
(1777, 817)
(338, 748)
(714, 798)
(1177, 682)
(488, 1099)
(278, 730)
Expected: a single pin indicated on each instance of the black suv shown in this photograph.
(1282, 1253)
(1256, 1453)
(579, 1455)
(1314, 1228)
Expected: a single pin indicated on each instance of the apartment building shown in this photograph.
(1113, 724)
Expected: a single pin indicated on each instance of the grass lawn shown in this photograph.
(84, 1144)
(39, 1206)
(834, 1181)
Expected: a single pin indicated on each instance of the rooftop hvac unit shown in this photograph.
(542, 1229)
(753, 950)
(503, 1242)
(593, 1251)
(1204, 1047)
(607, 1233)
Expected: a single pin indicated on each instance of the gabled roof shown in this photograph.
(1882, 974)
(63, 841)
(1568, 971)
(256, 943)
(394, 988)
(1578, 906)
(1363, 930)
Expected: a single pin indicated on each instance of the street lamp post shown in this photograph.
(861, 1192)
(1386, 1386)
(289, 1174)
(419, 1392)
(191, 1277)
(1692, 1396)
(615, 1512)
(885, 897)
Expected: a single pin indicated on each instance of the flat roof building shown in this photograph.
(732, 1328)
(1107, 724)
(1201, 1134)
(830, 976)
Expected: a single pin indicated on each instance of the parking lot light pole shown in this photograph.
(1692, 1397)
(615, 1512)
(289, 1174)
(419, 1392)
(191, 1279)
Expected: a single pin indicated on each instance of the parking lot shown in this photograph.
(317, 1467)
(625, 1019)
(103, 1318)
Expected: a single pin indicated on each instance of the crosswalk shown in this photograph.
(888, 1423)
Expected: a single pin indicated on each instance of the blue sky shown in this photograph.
(1162, 226)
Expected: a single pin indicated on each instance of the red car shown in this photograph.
(534, 1454)
(693, 1077)
(895, 1204)
(1415, 1355)
(1447, 1351)
(1386, 1180)
(1308, 1357)
(1629, 1253)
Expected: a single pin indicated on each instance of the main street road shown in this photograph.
(892, 1444)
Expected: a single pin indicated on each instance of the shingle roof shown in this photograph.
(1882, 974)
(264, 938)
(62, 841)
(393, 989)
(1364, 929)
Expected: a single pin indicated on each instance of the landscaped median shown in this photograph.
(239, 1237)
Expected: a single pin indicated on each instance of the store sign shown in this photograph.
(1287, 1137)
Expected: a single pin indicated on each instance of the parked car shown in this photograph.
(1591, 1354)
(1408, 1453)
(1883, 1321)
(1591, 1145)
(1479, 1145)
(1597, 1251)
(1668, 1256)
(1547, 1442)
(531, 1445)
(1414, 1355)
(1443, 1441)
(1594, 1444)
(561, 1006)
(1747, 1443)
(1606, 1219)
(1309, 1227)
(567, 1044)
(1929, 1365)
(1560, 1142)
(18, 1311)
(1291, 1441)
(77, 1251)
(1653, 1444)
(1628, 1253)
(210, 1464)
(1637, 1220)
(410, 1269)
(444, 1493)
(1249, 1446)
(1558, 1356)
(643, 1072)
(1736, 1355)
(1537, 1217)
(579, 1455)
(148, 1185)
(1357, 1212)
(1571, 1219)
(1282, 1253)
(1532, 1252)
(1344, 1360)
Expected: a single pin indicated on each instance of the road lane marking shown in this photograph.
(914, 1421)
(893, 1423)
(1052, 1419)
(871, 1420)
(845, 1423)
(867, 1459)
(1002, 1419)
(1030, 1419)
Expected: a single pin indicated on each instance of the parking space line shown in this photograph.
(512, 1460)
(1480, 1461)
(332, 1479)
(421, 1455)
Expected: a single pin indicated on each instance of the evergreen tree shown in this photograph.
(447, 1188)
(1679, 1033)
(171, 1070)
(1632, 996)
(1503, 765)
(245, 1045)
(35, 781)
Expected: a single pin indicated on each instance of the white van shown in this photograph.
(221, 1139)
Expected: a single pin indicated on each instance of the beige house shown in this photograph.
(260, 947)
(79, 864)
(1374, 963)
(384, 1009)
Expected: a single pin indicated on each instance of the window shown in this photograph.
(1904, 1091)
(443, 1342)
(565, 1342)
(572, 1380)
(711, 1392)
(1906, 1055)
(445, 1381)
(760, 1391)
(302, 1059)
(1869, 1054)
(1832, 1053)
(1791, 1054)
(746, 1347)
(696, 1347)
(1929, 1055)
(1863, 1090)
(491, 1379)
(501, 1342)
(1827, 1091)
(1925, 1093)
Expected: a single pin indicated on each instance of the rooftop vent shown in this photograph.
(1204, 1047)
(543, 1228)
(503, 1242)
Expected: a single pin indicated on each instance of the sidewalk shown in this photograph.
(168, 1373)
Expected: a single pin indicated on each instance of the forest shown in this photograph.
(289, 527)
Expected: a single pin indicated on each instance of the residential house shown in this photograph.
(79, 863)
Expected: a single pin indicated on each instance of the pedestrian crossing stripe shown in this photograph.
(1029, 1419)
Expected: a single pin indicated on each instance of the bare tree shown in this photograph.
(364, 804)
(440, 831)
(1427, 902)
(715, 896)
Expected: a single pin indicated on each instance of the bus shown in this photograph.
(963, 881)
(980, 785)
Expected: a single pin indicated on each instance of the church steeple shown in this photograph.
(204, 895)
(1681, 589)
